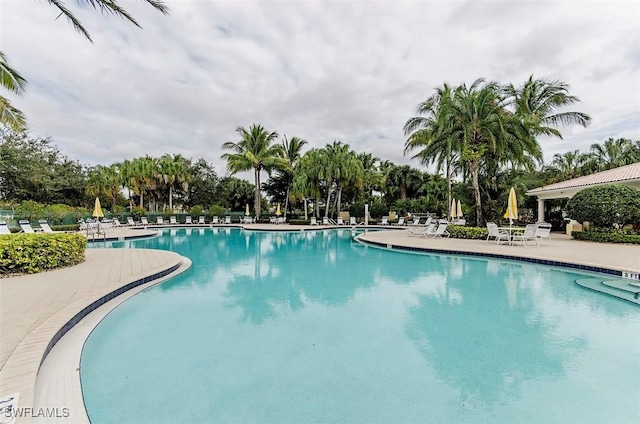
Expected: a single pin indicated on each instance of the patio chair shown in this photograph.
(340, 221)
(46, 228)
(352, 220)
(201, 219)
(528, 234)
(325, 221)
(130, 221)
(172, 220)
(227, 219)
(441, 231)
(460, 221)
(187, 220)
(543, 230)
(273, 220)
(498, 234)
(143, 220)
(415, 222)
(4, 228)
(313, 221)
(422, 230)
(159, 220)
(385, 220)
(26, 226)
(214, 220)
(400, 221)
(115, 222)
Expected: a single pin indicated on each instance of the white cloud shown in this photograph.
(324, 71)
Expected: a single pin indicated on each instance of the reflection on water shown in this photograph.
(311, 326)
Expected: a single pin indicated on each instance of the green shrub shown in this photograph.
(137, 212)
(30, 210)
(606, 206)
(118, 210)
(66, 227)
(463, 232)
(196, 211)
(601, 235)
(31, 253)
(378, 210)
(57, 213)
(217, 210)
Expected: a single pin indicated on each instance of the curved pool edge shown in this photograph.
(23, 374)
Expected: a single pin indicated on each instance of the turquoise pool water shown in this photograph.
(313, 327)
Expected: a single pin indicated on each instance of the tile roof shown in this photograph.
(623, 173)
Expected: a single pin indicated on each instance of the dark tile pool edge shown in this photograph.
(101, 301)
(582, 267)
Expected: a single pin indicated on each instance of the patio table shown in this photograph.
(512, 231)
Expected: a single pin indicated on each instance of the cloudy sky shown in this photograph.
(352, 71)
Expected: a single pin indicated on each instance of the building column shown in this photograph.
(540, 210)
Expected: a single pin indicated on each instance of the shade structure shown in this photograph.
(512, 206)
(246, 212)
(459, 210)
(454, 211)
(278, 210)
(97, 210)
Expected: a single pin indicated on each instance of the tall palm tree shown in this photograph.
(104, 180)
(308, 181)
(172, 170)
(373, 177)
(485, 129)
(537, 103)
(256, 151)
(613, 153)
(15, 83)
(569, 164)
(291, 151)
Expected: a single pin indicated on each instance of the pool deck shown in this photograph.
(34, 308)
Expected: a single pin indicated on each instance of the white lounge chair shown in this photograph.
(385, 220)
(227, 219)
(45, 226)
(130, 221)
(422, 230)
(172, 220)
(340, 221)
(400, 221)
(26, 226)
(4, 228)
(144, 221)
(313, 221)
(528, 234)
(160, 220)
(543, 230)
(352, 220)
(325, 220)
(214, 220)
(416, 222)
(441, 231)
(496, 233)
(187, 219)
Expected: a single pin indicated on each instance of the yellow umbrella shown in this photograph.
(278, 210)
(453, 208)
(460, 215)
(512, 206)
(97, 210)
(247, 211)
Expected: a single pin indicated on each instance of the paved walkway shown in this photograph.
(33, 308)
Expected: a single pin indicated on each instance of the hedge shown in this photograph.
(31, 253)
(607, 236)
(471, 233)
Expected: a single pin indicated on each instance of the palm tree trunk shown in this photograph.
(338, 201)
(256, 195)
(286, 199)
(141, 198)
(326, 209)
(476, 191)
(317, 206)
(449, 179)
(305, 209)
(171, 199)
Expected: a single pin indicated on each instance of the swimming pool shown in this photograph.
(314, 327)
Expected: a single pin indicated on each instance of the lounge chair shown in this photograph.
(528, 234)
(273, 220)
(441, 231)
(400, 221)
(385, 220)
(281, 220)
(143, 220)
(26, 226)
(340, 221)
(130, 221)
(187, 219)
(214, 220)
(159, 220)
(4, 228)
(460, 221)
(116, 222)
(227, 219)
(352, 220)
(416, 222)
(428, 230)
(543, 230)
(201, 220)
(325, 220)
(172, 220)
(496, 233)
(45, 226)
(313, 221)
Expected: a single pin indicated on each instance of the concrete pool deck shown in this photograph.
(34, 308)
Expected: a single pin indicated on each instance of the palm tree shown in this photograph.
(291, 150)
(569, 164)
(614, 153)
(308, 181)
(537, 102)
(254, 151)
(110, 7)
(15, 83)
(373, 178)
(402, 182)
(105, 180)
(172, 170)
(142, 177)
(485, 129)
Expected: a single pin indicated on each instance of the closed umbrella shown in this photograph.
(278, 210)
(512, 207)
(97, 210)
(246, 212)
(460, 215)
(454, 212)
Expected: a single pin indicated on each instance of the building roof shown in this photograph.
(623, 174)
